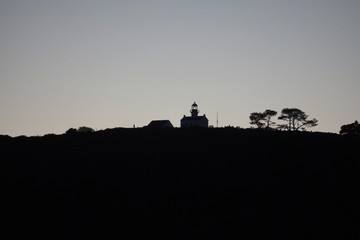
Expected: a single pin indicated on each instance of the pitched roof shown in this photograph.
(160, 124)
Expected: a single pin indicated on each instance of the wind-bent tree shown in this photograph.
(262, 120)
(350, 129)
(296, 120)
(257, 119)
(268, 114)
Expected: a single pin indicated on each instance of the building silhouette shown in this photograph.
(194, 121)
(160, 124)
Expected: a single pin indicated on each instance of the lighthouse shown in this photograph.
(194, 121)
(194, 110)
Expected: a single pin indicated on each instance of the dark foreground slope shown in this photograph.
(218, 181)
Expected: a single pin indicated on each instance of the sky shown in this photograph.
(112, 63)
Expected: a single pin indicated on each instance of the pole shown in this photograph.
(217, 119)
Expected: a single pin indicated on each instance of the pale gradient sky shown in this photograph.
(112, 63)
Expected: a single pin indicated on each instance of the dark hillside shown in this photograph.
(255, 183)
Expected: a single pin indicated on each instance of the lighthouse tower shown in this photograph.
(194, 121)
(194, 110)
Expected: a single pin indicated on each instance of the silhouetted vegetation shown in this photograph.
(252, 184)
(71, 131)
(350, 129)
(263, 120)
(296, 120)
(80, 130)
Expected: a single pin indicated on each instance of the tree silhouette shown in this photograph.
(256, 118)
(296, 120)
(262, 120)
(350, 129)
(268, 115)
(84, 129)
(71, 131)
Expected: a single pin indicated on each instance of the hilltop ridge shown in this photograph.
(254, 183)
